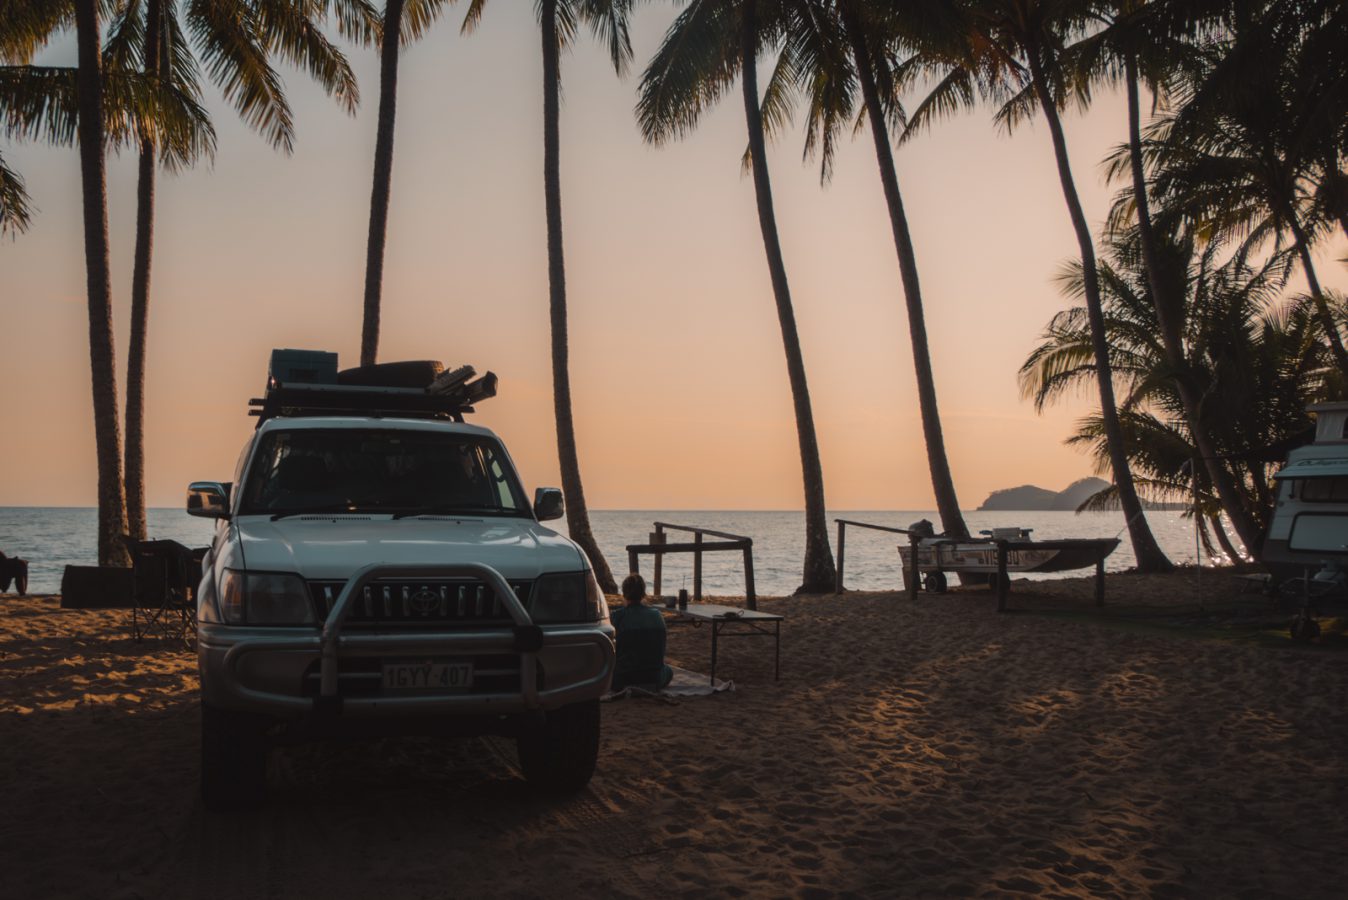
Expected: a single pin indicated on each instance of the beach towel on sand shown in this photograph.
(683, 684)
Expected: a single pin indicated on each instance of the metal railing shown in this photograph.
(729, 542)
(910, 577)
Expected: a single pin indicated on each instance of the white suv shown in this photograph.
(377, 575)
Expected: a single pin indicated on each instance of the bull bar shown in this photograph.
(526, 638)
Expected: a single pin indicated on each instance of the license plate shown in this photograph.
(428, 676)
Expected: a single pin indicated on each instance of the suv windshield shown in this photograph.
(373, 470)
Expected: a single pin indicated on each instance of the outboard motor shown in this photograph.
(922, 529)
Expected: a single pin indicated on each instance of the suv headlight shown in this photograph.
(569, 597)
(264, 598)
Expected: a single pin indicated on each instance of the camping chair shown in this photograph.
(13, 569)
(162, 590)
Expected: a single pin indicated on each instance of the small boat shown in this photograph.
(938, 555)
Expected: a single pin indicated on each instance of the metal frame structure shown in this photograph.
(355, 400)
(730, 542)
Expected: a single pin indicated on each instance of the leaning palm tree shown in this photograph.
(236, 41)
(1012, 52)
(1149, 44)
(707, 47)
(559, 22)
(403, 22)
(839, 48)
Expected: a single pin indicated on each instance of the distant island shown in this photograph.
(1030, 497)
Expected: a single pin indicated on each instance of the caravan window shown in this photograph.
(1324, 490)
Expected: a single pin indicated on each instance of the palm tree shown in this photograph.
(850, 44)
(403, 22)
(1256, 360)
(1150, 42)
(709, 44)
(1247, 154)
(102, 356)
(236, 41)
(559, 21)
(1012, 51)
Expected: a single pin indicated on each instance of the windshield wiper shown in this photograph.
(452, 511)
(315, 511)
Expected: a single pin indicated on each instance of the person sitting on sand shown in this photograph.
(641, 641)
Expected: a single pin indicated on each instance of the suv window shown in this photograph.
(380, 470)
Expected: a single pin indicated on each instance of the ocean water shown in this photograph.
(52, 538)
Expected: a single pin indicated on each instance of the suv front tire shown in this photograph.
(233, 759)
(560, 756)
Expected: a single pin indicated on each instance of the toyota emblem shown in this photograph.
(425, 601)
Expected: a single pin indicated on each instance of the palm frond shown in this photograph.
(26, 25)
(696, 63)
(473, 17)
(609, 22)
(419, 16)
(289, 31)
(234, 52)
(15, 206)
(955, 91)
(359, 21)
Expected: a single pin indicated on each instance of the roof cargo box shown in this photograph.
(302, 367)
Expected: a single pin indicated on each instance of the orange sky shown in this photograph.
(679, 381)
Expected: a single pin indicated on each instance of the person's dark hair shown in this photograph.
(634, 588)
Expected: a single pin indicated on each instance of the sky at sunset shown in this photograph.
(678, 377)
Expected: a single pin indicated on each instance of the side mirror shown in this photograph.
(208, 499)
(548, 504)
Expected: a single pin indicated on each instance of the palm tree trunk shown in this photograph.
(1150, 558)
(383, 180)
(102, 357)
(140, 302)
(1170, 315)
(942, 483)
(577, 515)
(1322, 311)
(1205, 538)
(819, 570)
(1219, 532)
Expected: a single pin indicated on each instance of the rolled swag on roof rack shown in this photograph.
(309, 383)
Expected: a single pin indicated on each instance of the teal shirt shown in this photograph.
(641, 648)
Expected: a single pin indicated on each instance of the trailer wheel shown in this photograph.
(935, 583)
(1304, 628)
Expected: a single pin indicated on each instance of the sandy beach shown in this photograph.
(933, 748)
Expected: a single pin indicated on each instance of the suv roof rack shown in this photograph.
(450, 396)
(351, 400)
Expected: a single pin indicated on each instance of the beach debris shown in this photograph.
(13, 570)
